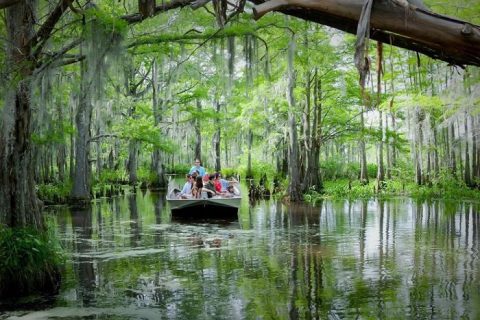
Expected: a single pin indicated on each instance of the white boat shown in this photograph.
(177, 204)
(216, 207)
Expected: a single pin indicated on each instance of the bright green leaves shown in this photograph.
(53, 135)
(140, 127)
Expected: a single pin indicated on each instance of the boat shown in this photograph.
(217, 207)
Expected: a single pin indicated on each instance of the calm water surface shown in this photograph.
(127, 259)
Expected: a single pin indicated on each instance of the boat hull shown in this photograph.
(212, 208)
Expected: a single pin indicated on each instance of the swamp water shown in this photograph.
(127, 259)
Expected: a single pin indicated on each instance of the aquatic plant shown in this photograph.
(54, 193)
(29, 261)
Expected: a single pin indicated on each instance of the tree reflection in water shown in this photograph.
(394, 258)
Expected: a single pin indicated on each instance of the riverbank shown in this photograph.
(345, 189)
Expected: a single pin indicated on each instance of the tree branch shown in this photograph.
(437, 36)
(45, 31)
(100, 136)
(7, 3)
(137, 17)
(55, 56)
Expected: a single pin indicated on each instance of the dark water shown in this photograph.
(127, 259)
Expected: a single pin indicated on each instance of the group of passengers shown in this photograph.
(200, 184)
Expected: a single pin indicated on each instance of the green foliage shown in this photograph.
(230, 172)
(53, 135)
(54, 193)
(146, 175)
(142, 129)
(259, 168)
(179, 168)
(444, 186)
(333, 169)
(108, 176)
(110, 23)
(28, 260)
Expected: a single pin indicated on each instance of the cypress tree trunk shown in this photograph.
(453, 162)
(380, 164)
(249, 156)
(294, 187)
(157, 163)
(467, 176)
(18, 202)
(475, 150)
(418, 148)
(81, 181)
(307, 136)
(198, 140)
(312, 175)
(132, 162)
(216, 138)
(363, 153)
(61, 148)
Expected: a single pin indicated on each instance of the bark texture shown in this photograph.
(18, 202)
(410, 27)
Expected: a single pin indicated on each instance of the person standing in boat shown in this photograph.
(197, 167)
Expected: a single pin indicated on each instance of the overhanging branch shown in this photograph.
(137, 17)
(7, 3)
(440, 37)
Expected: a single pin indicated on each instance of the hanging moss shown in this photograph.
(29, 261)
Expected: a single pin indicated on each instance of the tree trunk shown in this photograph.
(132, 162)
(146, 8)
(198, 132)
(294, 186)
(475, 150)
(363, 153)
(418, 148)
(380, 164)
(216, 138)
(453, 161)
(18, 201)
(249, 174)
(157, 162)
(312, 174)
(81, 185)
(61, 148)
(467, 175)
(81, 181)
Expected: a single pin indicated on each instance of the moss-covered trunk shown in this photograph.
(18, 202)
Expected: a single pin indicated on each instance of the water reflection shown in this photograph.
(83, 264)
(363, 259)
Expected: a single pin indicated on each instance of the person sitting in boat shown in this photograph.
(187, 187)
(197, 167)
(197, 188)
(208, 186)
(218, 183)
(232, 189)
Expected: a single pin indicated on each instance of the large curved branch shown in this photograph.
(7, 3)
(438, 36)
(137, 17)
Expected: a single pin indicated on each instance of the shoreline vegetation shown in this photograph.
(264, 183)
(345, 189)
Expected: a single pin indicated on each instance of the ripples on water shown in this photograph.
(127, 259)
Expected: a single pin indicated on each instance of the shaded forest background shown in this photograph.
(116, 101)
